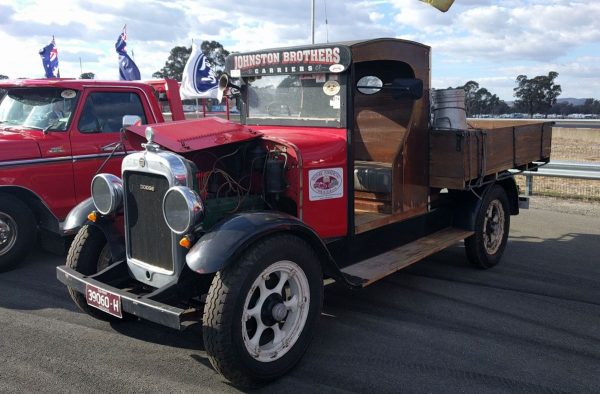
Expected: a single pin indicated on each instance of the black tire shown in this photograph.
(17, 231)
(492, 224)
(88, 254)
(233, 287)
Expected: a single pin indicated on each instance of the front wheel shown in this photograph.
(261, 311)
(485, 247)
(17, 231)
(89, 254)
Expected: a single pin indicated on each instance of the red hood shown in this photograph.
(190, 135)
(319, 146)
(18, 145)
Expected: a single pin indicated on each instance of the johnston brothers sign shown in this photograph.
(313, 59)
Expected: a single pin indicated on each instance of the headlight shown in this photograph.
(107, 193)
(182, 209)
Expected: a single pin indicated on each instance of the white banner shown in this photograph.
(199, 80)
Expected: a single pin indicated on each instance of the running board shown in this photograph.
(380, 266)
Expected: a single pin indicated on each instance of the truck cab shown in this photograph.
(55, 134)
(335, 172)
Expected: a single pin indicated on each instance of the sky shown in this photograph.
(488, 41)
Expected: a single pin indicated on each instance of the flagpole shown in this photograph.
(312, 18)
(80, 67)
(57, 67)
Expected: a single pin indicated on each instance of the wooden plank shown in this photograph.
(362, 217)
(388, 219)
(380, 266)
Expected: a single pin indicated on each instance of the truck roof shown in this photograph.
(68, 83)
(348, 44)
(317, 58)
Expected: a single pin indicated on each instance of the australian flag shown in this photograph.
(128, 71)
(198, 80)
(49, 55)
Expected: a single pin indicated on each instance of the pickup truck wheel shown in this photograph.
(486, 246)
(88, 254)
(261, 312)
(17, 231)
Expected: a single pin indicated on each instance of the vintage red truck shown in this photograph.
(55, 134)
(334, 172)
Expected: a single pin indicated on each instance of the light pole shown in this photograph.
(312, 19)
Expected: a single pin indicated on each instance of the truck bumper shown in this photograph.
(141, 306)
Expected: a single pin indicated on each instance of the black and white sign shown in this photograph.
(301, 60)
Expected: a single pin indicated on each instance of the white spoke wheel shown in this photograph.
(493, 227)
(486, 246)
(275, 311)
(261, 311)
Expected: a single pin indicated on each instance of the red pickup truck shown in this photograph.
(54, 136)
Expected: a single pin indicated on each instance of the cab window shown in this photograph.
(103, 111)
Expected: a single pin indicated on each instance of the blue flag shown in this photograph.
(198, 80)
(49, 55)
(128, 71)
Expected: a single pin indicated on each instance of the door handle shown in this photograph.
(112, 147)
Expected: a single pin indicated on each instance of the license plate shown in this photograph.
(103, 300)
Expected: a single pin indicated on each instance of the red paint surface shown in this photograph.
(190, 135)
(317, 148)
(62, 184)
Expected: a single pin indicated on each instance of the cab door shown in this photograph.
(96, 136)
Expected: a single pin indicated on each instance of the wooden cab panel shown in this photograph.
(390, 131)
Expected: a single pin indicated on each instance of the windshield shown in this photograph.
(300, 97)
(38, 108)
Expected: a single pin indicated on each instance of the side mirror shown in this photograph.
(407, 88)
(369, 84)
(131, 120)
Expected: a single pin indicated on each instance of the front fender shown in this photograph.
(77, 217)
(230, 238)
(112, 228)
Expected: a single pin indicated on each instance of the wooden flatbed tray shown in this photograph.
(460, 159)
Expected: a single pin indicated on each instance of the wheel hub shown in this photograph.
(279, 312)
(493, 227)
(275, 311)
(8, 233)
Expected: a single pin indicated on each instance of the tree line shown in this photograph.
(533, 95)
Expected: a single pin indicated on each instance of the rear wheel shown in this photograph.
(485, 247)
(261, 312)
(17, 231)
(89, 254)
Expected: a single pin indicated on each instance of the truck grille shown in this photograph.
(148, 236)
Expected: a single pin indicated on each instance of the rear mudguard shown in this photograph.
(230, 238)
(469, 203)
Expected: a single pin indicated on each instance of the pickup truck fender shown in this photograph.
(470, 202)
(111, 228)
(220, 247)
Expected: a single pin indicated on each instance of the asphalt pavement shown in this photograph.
(531, 324)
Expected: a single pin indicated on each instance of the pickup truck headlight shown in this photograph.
(182, 209)
(107, 193)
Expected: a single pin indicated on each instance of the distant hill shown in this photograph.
(570, 100)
